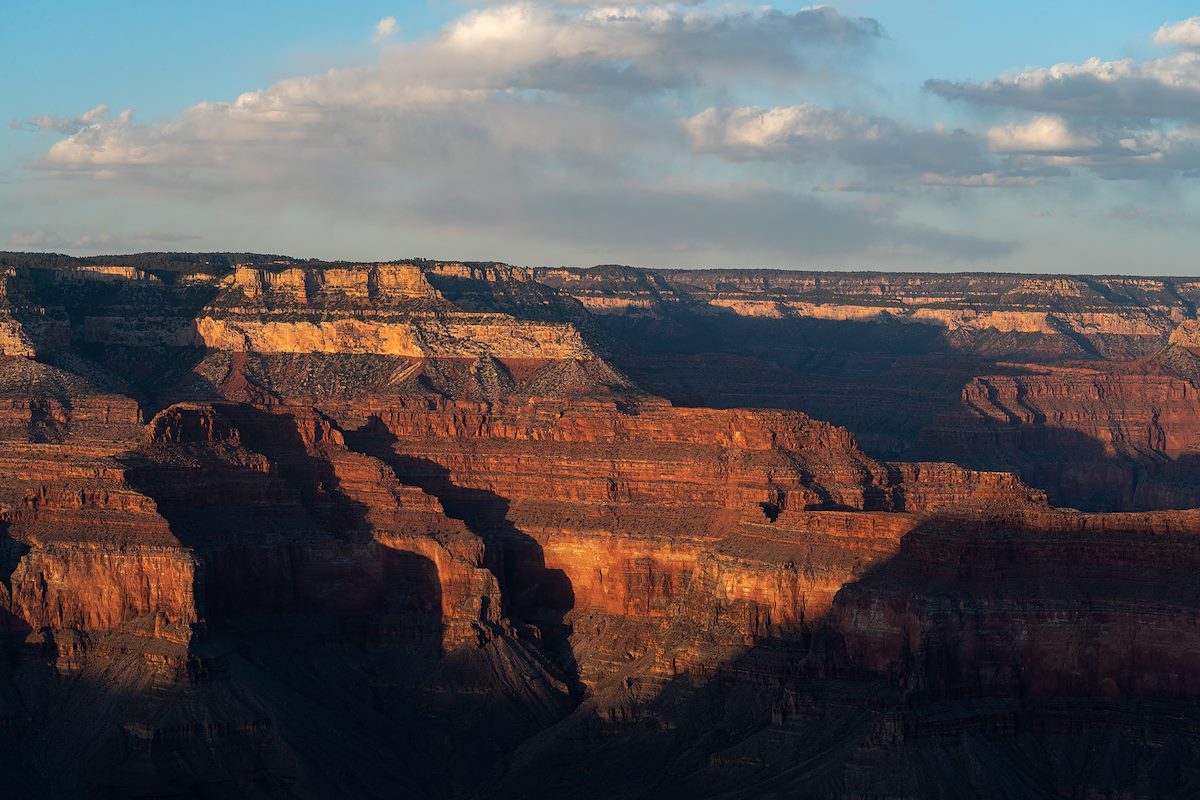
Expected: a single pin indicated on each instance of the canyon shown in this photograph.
(283, 528)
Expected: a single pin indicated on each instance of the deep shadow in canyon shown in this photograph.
(946, 705)
(530, 592)
(885, 381)
(319, 668)
(898, 386)
(1074, 469)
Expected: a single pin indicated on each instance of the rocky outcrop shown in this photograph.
(1100, 438)
(551, 540)
(389, 309)
(431, 336)
(382, 284)
(1187, 334)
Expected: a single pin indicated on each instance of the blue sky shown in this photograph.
(889, 135)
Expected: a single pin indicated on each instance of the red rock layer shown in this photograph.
(1108, 439)
(368, 573)
(620, 556)
(1041, 604)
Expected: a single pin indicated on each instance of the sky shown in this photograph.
(893, 135)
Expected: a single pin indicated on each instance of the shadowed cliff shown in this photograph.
(959, 667)
(530, 592)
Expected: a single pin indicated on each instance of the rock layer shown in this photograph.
(905, 361)
(491, 565)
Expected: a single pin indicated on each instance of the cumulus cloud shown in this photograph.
(1157, 88)
(1042, 134)
(1110, 151)
(1123, 119)
(986, 180)
(794, 132)
(649, 48)
(610, 3)
(1113, 152)
(499, 79)
(385, 28)
(499, 86)
(883, 147)
(1185, 33)
(41, 239)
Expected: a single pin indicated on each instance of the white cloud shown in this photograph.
(385, 28)
(888, 151)
(92, 243)
(1114, 152)
(499, 83)
(753, 132)
(1042, 134)
(1123, 119)
(552, 124)
(1185, 33)
(1157, 88)
(986, 180)
(611, 4)
(92, 240)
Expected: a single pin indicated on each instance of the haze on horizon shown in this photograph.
(864, 135)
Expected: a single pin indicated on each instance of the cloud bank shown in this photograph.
(544, 122)
(644, 127)
(1125, 119)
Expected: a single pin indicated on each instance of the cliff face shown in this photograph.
(1050, 316)
(1103, 438)
(319, 531)
(388, 310)
(492, 541)
(906, 362)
